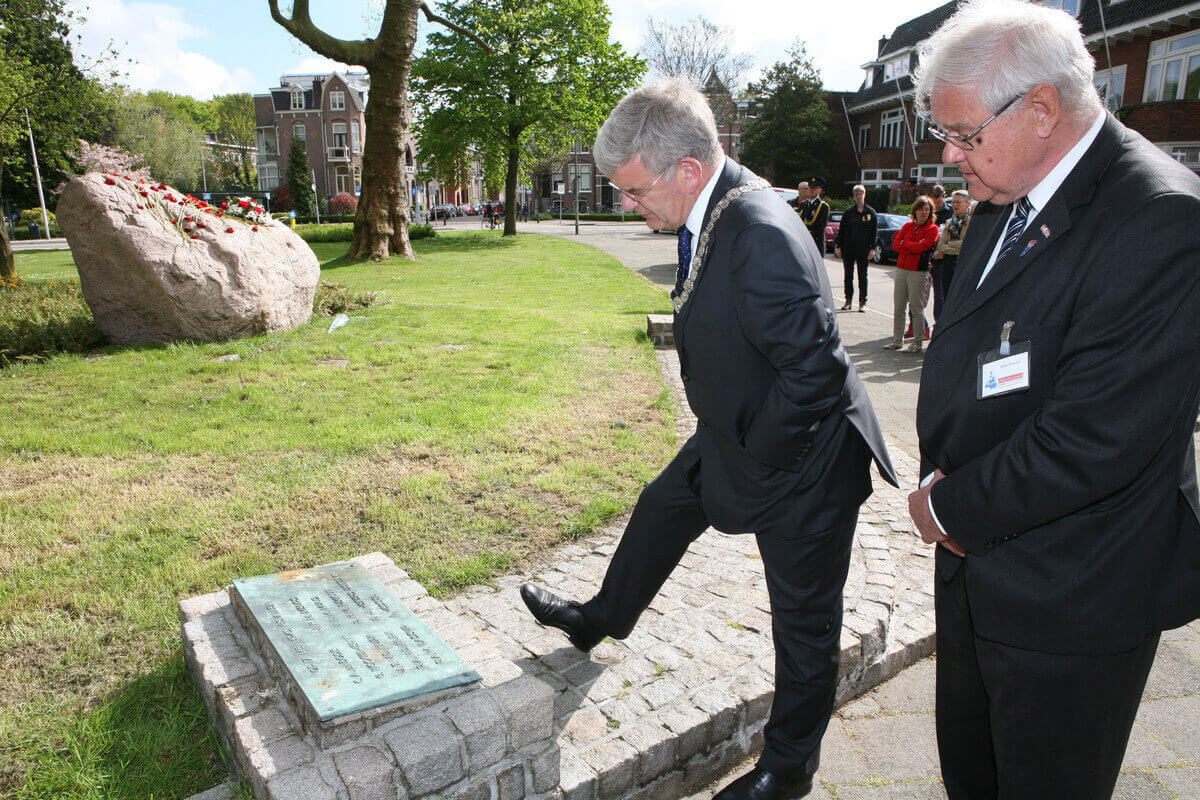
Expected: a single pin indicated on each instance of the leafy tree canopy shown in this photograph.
(793, 136)
(552, 70)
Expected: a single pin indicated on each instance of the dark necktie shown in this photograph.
(685, 258)
(1016, 226)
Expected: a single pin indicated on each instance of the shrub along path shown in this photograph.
(498, 399)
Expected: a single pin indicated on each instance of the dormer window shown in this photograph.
(337, 101)
(896, 67)
(297, 99)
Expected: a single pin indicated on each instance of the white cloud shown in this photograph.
(319, 64)
(840, 36)
(153, 36)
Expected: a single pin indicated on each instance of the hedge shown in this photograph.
(344, 232)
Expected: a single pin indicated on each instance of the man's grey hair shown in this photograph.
(858, 187)
(663, 123)
(963, 193)
(1000, 49)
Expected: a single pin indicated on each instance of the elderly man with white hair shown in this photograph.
(1056, 410)
(786, 434)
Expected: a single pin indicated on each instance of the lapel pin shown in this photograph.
(1046, 231)
(1029, 246)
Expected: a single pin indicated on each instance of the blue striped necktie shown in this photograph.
(1016, 226)
(685, 258)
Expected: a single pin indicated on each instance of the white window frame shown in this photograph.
(891, 123)
(919, 128)
(260, 139)
(864, 137)
(299, 132)
(297, 103)
(1111, 87)
(896, 67)
(1162, 55)
(355, 137)
(268, 176)
(337, 101)
(334, 133)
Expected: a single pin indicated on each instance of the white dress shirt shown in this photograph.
(695, 219)
(1038, 197)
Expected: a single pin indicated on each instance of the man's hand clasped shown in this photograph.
(922, 517)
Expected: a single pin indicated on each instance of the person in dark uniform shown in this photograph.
(855, 245)
(814, 213)
(786, 435)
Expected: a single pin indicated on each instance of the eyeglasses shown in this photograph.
(637, 198)
(963, 142)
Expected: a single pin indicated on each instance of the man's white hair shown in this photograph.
(1000, 49)
(663, 123)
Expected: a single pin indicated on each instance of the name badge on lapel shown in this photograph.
(1005, 370)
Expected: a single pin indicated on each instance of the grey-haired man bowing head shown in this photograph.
(1055, 413)
(786, 434)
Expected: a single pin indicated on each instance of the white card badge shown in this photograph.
(1003, 371)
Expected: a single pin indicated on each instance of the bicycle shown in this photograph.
(489, 223)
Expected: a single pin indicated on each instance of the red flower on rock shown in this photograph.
(110, 182)
(224, 205)
(244, 203)
(195, 236)
(254, 228)
(229, 230)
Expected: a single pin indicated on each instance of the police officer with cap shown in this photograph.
(814, 212)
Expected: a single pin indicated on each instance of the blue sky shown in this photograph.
(220, 46)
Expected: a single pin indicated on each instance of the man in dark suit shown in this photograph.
(786, 433)
(1055, 412)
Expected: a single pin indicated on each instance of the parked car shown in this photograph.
(790, 196)
(831, 228)
(464, 209)
(889, 224)
(443, 211)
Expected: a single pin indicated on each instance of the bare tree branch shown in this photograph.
(432, 17)
(694, 50)
(301, 26)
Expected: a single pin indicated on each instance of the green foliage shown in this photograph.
(878, 197)
(344, 232)
(39, 72)
(38, 319)
(162, 128)
(793, 136)
(553, 70)
(29, 215)
(299, 179)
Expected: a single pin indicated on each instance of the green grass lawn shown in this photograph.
(499, 399)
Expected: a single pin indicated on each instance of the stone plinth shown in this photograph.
(491, 739)
(661, 329)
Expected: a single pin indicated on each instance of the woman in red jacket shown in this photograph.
(914, 244)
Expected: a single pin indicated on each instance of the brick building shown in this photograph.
(1152, 84)
(327, 112)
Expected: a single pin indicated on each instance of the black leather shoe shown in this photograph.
(758, 784)
(550, 609)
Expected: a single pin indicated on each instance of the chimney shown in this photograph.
(883, 40)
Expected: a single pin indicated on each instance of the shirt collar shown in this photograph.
(1040, 195)
(695, 219)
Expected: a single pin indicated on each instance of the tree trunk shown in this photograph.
(8, 267)
(381, 222)
(510, 182)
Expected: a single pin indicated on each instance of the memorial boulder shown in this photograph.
(156, 265)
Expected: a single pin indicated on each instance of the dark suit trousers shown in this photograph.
(849, 262)
(942, 271)
(1016, 724)
(805, 576)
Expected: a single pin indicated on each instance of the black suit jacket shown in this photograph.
(1076, 500)
(781, 410)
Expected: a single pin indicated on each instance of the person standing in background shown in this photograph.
(949, 245)
(855, 245)
(913, 244)
(815, 213)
